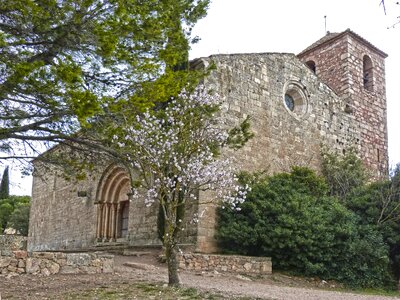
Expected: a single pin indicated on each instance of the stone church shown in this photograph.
(332, 94)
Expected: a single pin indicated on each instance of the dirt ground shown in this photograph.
(147, 269)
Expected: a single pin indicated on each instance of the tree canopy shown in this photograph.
(19, 218)
(14, 212)
(64, 61)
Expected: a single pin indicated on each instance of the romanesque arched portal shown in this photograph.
(113, 204)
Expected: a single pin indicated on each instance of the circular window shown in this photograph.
(295, 100)
(289, 102)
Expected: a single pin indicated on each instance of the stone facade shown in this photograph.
(68, 215)
(332, 95)
(254, 85)
(355, 70)
(226, 263)
(59, 218)
(19, 262)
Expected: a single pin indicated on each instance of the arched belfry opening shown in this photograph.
(113, 204)
(367, 73)
(312, 66)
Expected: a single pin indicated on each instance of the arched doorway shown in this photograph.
(113, 205)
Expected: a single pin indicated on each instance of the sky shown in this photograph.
(250, 26)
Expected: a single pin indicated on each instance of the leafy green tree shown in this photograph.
(7, 208)
(19, 219)
(65, 61)
(5, 184)
(5, 211)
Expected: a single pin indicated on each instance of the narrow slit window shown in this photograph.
(367, 73)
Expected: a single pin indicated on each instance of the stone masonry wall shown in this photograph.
(254, 85)
(339, 63)
(143, 224)
(226, 263)
(62, 219)
(59, 218)
(370, 108)
(13, 263)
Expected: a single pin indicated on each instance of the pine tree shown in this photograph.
(64, 62)
(5, 185)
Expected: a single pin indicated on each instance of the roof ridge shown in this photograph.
(329, 37)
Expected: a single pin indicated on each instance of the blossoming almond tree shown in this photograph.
(176, 150)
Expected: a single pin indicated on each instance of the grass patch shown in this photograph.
(378, 292)
(145, 291)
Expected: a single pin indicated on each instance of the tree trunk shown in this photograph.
(172, 261)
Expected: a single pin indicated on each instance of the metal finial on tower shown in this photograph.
(325, 24)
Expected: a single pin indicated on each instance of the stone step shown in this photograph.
(128, 252)
(139, 266)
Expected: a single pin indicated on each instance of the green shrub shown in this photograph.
(343, 173)
(379, 204)
(290, 218)
(366, 264)
(376, 203)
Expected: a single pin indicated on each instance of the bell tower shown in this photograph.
(355, 70)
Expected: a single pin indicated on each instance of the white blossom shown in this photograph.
(173, 151)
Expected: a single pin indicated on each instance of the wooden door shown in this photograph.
(124, 220)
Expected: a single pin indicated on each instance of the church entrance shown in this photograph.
(113, 205)
(124, 220)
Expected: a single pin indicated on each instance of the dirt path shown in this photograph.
(271, 287)
(147, 269)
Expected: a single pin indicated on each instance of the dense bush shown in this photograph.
(291, 218)
(343, 173)
(379, 204)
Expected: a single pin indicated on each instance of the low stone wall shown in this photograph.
(12, 242)
(226, 263)
(13, 263)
